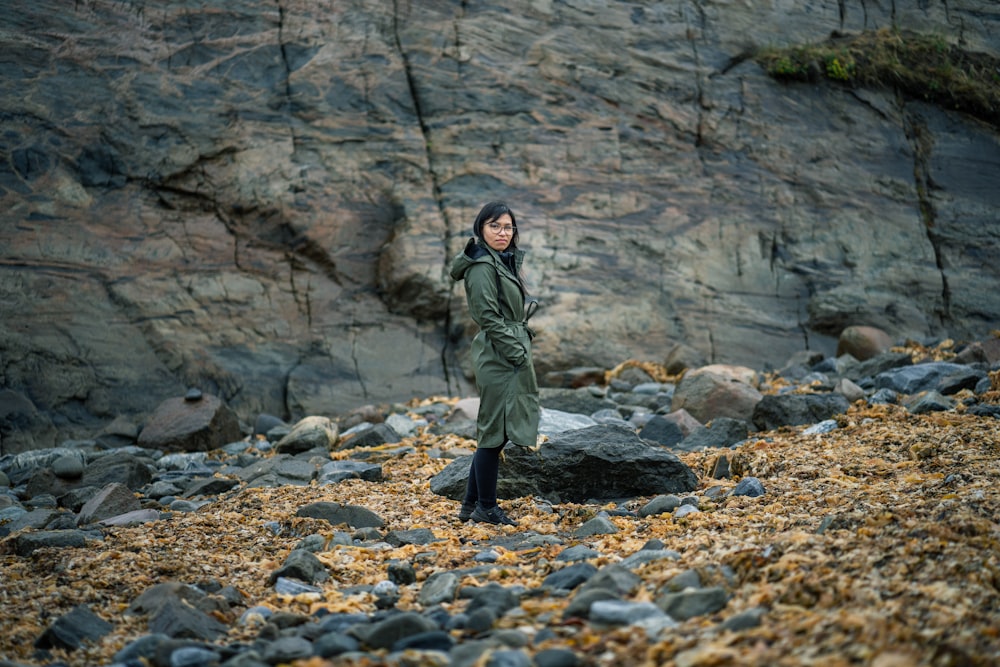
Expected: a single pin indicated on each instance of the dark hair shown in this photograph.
(489, 213)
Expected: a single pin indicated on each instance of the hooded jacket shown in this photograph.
(501, 350)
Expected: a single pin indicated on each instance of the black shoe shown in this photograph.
(465, 513)
(492, 515)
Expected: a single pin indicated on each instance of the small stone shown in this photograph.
(577, 552)
(622, 612)
(570, 577)
(825, 426)
(685, 510)
(599, 525)
(749, 486)
(193, 395)
(664, 504)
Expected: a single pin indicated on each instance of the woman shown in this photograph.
(501, 355)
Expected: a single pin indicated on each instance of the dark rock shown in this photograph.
(508, 658)
(720, 432)
(964, 378)
(570, 576)
(195, 656)
(930, 402)
(177, 619)
(332, 644)
(599, 525)
(141, 650)
(420, 536)
(373, 436)
(26, 543)
(72, 630)
(662, 431)
(580, 401)
(579, 606)
(439, 587)
(338, 471)
(687, 604)
(180, 425)
(577, 552)
(746, 619)
(615, 578)
(335, 513)
(985, 410)
(749, 486)
(213, 486)
(117, 466)
(112, 500)
(917, 378)
(265, 423)
(774, 411)
(303, 565)
(884, 397)
(402, 574)
(599, 462)
(556, 657)
(878, 365)
(492, 596)
(433, 640)
(388, 632)
(286, 650)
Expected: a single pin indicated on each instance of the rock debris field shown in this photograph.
(848, 517)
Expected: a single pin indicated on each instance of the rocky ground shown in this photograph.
(875, 542)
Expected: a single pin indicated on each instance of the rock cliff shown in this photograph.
(260, 198)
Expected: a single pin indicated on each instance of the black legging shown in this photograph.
(483, 474)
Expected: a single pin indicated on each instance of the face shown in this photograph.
(499, 232)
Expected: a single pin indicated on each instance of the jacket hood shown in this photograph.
(475, 253)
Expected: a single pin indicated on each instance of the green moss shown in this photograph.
(922, 66)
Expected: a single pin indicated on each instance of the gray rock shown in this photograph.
(622, 612)
(337, 514)
(553, 422)
(774, 411)
(433, 640)
(69, 466)
(556, 657)
(746, 619)
(749, 486)
(662, 431)
(707, 396)
(133, 518)
(599, 462)
(569, 577)
(884, 397)
(644, 556)
(931, 401)
(26, 543)
(508, 658)
(194, 656)
(923, 377)
(332, 644)
(337, 471)
(213, 486)
(307, 434)
(180, 425)
(663, 504)
(579, 606)
(72, 630)
(371, 436)
(599, 525)
(685, 510)
(439, 587)
(419, 536)
(615, 578)
(687, 604)
(580, 401)
(386, 633)
(688, 579)
(577, 552)
(720, 432)
(112, 500)
(118, 466)
(286, 650)
(825, 426)
(877, 365)
(303, 565)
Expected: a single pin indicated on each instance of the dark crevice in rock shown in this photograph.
(357, 366)
(922, 144)
(429, 154)
(283, 47)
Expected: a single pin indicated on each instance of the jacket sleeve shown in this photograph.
(484, 306)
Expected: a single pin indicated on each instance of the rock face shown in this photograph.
(260, 199)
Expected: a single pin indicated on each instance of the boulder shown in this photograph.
(179, 424)
(112, 500)
(598, 462)
(708, 395)
(309, 433)
(863, 342)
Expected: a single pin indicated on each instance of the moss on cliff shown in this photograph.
(925, 67)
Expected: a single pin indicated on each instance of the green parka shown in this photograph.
(501, 350)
